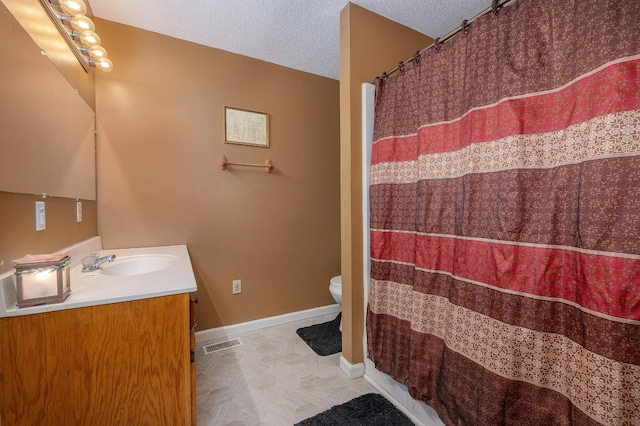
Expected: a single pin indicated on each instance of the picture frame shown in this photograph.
(245, 127)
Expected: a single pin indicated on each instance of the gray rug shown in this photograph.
(325, 338)
(366, 410)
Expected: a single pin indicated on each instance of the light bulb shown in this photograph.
(104, 64)
(81, 23)
(73, 7)
(97, 51)
(43, 275)
(89, 38)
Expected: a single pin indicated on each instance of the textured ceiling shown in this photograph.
(299, 34)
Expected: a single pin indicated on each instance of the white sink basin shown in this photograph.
(138, 264)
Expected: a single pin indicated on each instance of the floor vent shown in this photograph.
(216, 347)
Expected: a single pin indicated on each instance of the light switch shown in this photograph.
(41, 217)
(79, 211)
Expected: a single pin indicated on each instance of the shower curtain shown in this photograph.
(505, 219)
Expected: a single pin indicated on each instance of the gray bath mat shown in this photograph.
(366, 410)
(325, 338)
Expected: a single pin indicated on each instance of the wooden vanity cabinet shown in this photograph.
(125, 363)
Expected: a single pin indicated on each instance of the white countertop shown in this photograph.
(96, 288)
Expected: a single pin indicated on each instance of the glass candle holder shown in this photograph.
(42, 282)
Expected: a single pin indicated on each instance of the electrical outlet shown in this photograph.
(237, 286)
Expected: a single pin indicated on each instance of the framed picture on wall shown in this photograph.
(245, 127)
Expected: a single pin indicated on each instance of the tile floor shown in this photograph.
(273, 378)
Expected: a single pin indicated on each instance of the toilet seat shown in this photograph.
(336, 281)
(335, 288)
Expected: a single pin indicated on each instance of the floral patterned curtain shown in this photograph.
(505, 219)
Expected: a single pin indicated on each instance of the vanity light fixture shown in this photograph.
(78, 31)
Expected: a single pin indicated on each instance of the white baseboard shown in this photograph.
(232, 330)
(353, 371)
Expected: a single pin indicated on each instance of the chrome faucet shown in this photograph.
(92, 262)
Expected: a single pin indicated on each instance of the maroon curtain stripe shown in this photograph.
(393, 207)
(392, 271)
(388, 345)
(467, 394)
(564, 206)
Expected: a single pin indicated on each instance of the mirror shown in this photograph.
(47, 130)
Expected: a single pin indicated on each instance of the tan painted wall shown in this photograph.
(369, 45)
(160, 135)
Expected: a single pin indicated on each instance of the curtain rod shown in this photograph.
(495, 7)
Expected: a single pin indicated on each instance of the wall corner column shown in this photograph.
(369, 45)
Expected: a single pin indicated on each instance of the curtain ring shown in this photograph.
(465, 26)
(495, 7)
(416, 57)
(384, 76)
(437, 43)
(400, 66)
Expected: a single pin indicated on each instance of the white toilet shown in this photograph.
(336, 291)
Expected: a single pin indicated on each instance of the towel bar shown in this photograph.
(224, 163)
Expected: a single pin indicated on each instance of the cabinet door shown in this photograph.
(123, 363)
(22, 371)
(192, 328)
